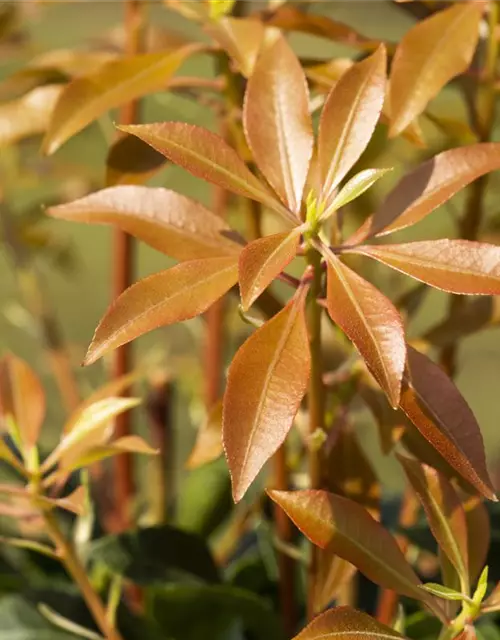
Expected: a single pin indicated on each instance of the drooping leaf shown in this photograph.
(444, 512)
(29, 115)
(345, 623)
(155, 555)
(428, 186)
(356, 186)
(205, 155)
(208, 446)
(86, 98)
(22, 400)
(263, 260)
(433, 52)
(266, 382)
(277, 122)
(180, 293)
(165, 220)
(349, 118)
(132, 161)
(371, 321)
(456, 266)
(241, 38)
(438, 410)
(349, 530)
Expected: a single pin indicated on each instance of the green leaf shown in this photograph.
(59, 621)
(443, 592)
(155, 555)
(86, 98)
(355, 187)
(191, 612)
(21, 621)
(482, 586)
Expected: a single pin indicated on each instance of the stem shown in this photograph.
(474, 209)
(77, 571)
(123, 257)
(316, 399)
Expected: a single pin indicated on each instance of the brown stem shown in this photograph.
(76, 570)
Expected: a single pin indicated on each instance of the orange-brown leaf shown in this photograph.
(344, 623)
(208, 446)
(262, 260)
(428, 186)
(22, 399)
(456, 266)
(478, 535)
(277, 122)
(180, 293)
(348, 529)
(241, 38)
(333, 573)
(349, 118)
(165, 220)
(205, 155)
(371, 321)
(438, 410)
(266, 382)
(433, 52)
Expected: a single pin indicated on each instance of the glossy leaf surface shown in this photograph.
(266, 382)
(441, 414)
(277, 122)
(433, 52)
(86, 98)
(165, 220)
(205, 155)
(262, 261)
(180, 293)
(348, 529)
(371, 321)
(456, 266)
(347, 624)
(355, 187)
(349, 118)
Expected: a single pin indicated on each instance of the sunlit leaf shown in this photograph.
(355, 187)
(349, 118)
(441, 591)
(433, 52)
(349, 530)
(22, 400)
(438, 410)
(166, 220)
(127, 444)
(346, 624)
(277, 122)
(456, 266)
(428, 186)
(86, 98)
(241, 38)
(263, 260)
(206, 155)
(444, 512)
(132, 161)
(164, 298)
(208, 446)
(29, 115)
(371, 321)
(266, 382)
(75, 502)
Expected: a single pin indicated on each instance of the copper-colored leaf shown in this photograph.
(208, 446)
(371, 321)
(478, 535)
(456, 266)
(433, 52)
(428, 186)
(438, 410)
(127, 444)
(241, 38)
(262, 260)
(29, 115)
(444, 511)
(167, 221)
(132, 161)
(349, 530)
(277, 122)
(86, 98)
(266, 382)
(206, 155)
(332, 574)
(180, 293)
(22, 399)
(345, 623)
(349, 118)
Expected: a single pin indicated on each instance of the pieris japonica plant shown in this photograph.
(293, 146)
